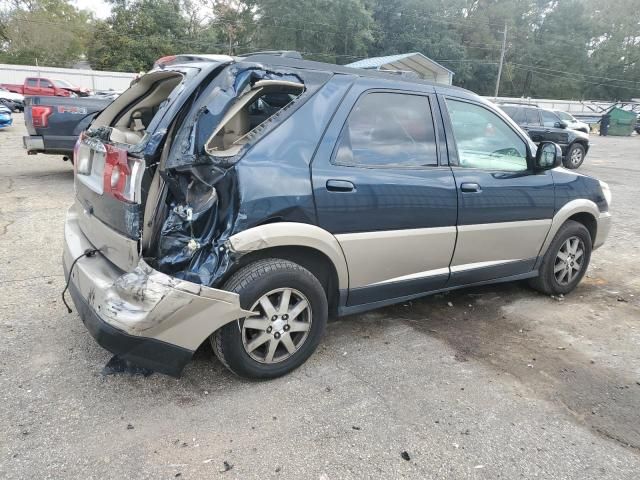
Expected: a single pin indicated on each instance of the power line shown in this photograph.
(533, 69)
(584, 75)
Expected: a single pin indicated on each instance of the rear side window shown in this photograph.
(532, 117)
(516, 114)
(388, 130)
(32, 82)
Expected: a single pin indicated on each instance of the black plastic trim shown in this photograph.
(144, 352)
(375, 293)
(342, 311)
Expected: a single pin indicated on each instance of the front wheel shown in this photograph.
(566, 260)
(575, 156)
(290, 316)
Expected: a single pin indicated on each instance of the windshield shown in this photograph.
(63, 84)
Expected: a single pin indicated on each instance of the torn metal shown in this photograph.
(204, 200)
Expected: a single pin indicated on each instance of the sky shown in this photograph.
(99, 7)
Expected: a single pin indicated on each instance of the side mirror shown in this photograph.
(560, 124)
(548, 156)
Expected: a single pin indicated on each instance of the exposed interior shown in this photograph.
(131, 113)
(251, 110)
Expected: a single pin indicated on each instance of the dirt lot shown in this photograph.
(505, 383)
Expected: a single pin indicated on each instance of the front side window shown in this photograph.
(484, 140)
(549, 119)
(46, 84)
(388, 130)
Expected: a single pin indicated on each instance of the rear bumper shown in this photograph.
(58, 145)
(146, 352)
(153, 320)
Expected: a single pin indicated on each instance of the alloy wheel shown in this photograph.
(569, 260)
(576, 156)
(279, 327)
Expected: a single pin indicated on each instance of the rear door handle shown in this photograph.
(340, 186)
(470, 188)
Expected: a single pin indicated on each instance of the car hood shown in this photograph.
(11, 96)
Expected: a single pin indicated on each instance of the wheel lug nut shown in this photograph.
(277, 335)
(286, 328)
(274, 318)
(269, 330)
(285, 317)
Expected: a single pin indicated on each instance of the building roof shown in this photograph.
(414, 61)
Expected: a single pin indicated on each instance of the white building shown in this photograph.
(415, 62)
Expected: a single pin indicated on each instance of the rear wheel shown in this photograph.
(575, 156)
(566, 260)
(290, 316)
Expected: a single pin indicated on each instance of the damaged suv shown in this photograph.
(243, 201)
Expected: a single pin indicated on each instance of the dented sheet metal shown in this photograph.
(205, 201)
(143, 302)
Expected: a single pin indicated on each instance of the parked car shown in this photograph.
(545, 126)
(572, 122)
(243, 201)
(54, 123)
(5, 117)
(46, 87)
(637, 127)
(14, 101)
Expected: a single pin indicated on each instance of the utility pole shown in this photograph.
(504, 47)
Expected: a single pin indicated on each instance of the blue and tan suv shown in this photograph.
(243, 201)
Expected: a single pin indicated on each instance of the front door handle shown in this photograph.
(470, 188)
(340, 186)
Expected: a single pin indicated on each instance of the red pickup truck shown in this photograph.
(47, 87)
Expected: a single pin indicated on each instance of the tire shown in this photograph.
(295, 339)
(547, 281)
(575, 156)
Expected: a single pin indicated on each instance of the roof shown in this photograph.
(414, 61)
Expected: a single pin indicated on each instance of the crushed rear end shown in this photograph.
(159, 216)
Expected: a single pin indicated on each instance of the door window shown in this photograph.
(388, 130)
(46, 84)
(531, 116)
(549, 119)
(484, 140)
(32, 82)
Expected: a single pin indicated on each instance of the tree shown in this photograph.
(49, 32)
(137, 33)
(326, 30)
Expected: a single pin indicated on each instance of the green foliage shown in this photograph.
(50, 32)
(555, 48)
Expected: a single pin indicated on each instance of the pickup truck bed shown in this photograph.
(58, 122)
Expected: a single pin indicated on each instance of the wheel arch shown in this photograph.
(307, 245)
(580, 210)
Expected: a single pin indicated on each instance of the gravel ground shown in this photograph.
(505, 383)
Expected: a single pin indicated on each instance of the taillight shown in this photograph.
(120, 174)
(40, 115)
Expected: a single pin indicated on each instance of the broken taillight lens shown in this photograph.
(40, 115)
(120, 174)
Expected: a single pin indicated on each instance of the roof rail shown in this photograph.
(277, 53)
(523, 103)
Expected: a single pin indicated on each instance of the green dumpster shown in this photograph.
(622, 122)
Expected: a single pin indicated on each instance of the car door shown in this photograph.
(382, 186)
(533, 124)
(46, 87)
(504, 206)
(553, 132)
(31, 86)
